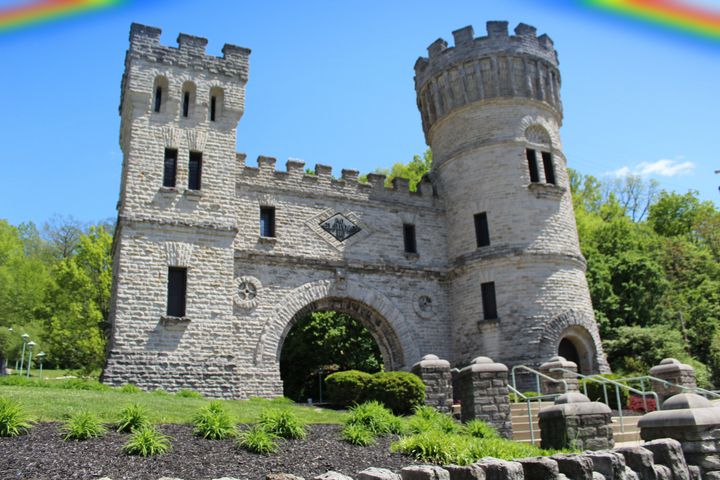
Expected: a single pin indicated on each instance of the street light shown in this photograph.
(41, 357)
(30, 348)
(24, 337)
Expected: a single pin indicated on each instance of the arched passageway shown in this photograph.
(569, 352)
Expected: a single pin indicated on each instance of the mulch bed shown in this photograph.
(42, 454)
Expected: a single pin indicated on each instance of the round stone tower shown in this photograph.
(491, 113)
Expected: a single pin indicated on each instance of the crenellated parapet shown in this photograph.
(498, 65)
(322, 182)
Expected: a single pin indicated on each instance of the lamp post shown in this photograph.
(24, 337)
(30, 349)
(41, 357)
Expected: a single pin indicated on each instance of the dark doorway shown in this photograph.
(321, 343)
(568, 350)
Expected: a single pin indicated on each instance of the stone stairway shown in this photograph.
(521, 427)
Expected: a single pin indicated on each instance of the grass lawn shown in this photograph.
(56, 404)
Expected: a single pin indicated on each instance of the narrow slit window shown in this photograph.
(194, 171)
(267, 221)
(170, 167)
(213, 107)
(186, 104)
(158, 99)
(488, 301)
(482, 233)
(532, 165)
(548, 167)
(409, 237)
(177, 291)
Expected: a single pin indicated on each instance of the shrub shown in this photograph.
(282, 423)
(213, 422)
(147, 441)
(374, 417)
(129, 388)
(186, 393)
(160, 392)
(357, 434)
(399, 391)
(82, 426)
(132, 417)
(12, 420)
(480, 429)
(257, 440)
(427, 418)
(595, 391)
(348, 388)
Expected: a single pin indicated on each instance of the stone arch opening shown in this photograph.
(577, 346)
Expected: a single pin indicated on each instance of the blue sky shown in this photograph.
(332, 82)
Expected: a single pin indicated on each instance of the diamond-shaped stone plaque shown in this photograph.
(340, 227)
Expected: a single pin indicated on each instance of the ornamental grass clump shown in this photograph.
(81, 426)
(257, 440)
(147, 441)
(357, 435)
(282, 423)
(376, 418)
(129, 388)
(186, 393)
(213, 422)
(427, 418)
(12, 420)
(480, 429)
(132, 417)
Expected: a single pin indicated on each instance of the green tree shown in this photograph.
(413, 171)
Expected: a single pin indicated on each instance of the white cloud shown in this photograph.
(663, 168)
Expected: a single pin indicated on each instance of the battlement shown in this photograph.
(190, 52)
(493, 66)
(323, 183)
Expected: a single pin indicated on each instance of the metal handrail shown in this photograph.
(537, 378)
(643, 378)
(605, 381)
(527, 400)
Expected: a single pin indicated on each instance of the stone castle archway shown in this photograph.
(392, 332)
(577, 331)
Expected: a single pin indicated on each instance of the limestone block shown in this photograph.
(640, 460)
(373, 473)
(424, 472)
(675, 372)
(332, 475)
(481, 399)
(282, 476)
(575, 467)
(669, 452)
(662, 472)
(539, 468)
(496, 469)
(575, 422)
(435, 374)
(608, 463)
(465, 472)
(694, 472)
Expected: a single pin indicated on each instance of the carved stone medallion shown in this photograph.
(339, 227)
(423, 305)
(247, 290)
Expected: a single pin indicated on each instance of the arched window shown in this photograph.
(160, 93)
(188, 99)
(216, 103)
(540, 151)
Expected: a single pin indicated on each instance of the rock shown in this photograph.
(694, 472)
(282, 476)
(668, 452)
(712, 475)
(598, 476)
(331, 475)
(373, 473)
(610, 464)
(662, 472)
(539, 468)
(575, 467)
(424, 472)
(465, 472)
(500, 469)
(640, 460)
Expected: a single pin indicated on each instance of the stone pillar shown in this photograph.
(435, 374)
(483, 394)
(548, 387)
(671, 370)
(693, 421)
(576, 422)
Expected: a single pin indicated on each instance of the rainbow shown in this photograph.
(26, 13)
(677, 14)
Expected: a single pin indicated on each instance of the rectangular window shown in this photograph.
(186, 104)
(549, 168)
(267, 221)
(194, 171)
(158, 98)
(213, 107)
(409, 237)
(532, 166)
(170, 167)
(177, 291)
(482, 234)
(488, 301)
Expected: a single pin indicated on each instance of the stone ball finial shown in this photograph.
(481, 360)
(557, 358)
(571, 397)
(430, 356)
(667, 361)
(431, 361)
(686, 400)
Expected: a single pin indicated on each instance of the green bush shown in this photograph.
(12, 420)
(357, 434)
(132, 417)
(374, 417)
(147, 441)
(426, 418)
(257, 440)
(348, 388)
(186, 393)
(399, 391)
(282, 423)
(480, 429)
(82, 426)
(595, 391)
(213, 422)
(129, 388)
